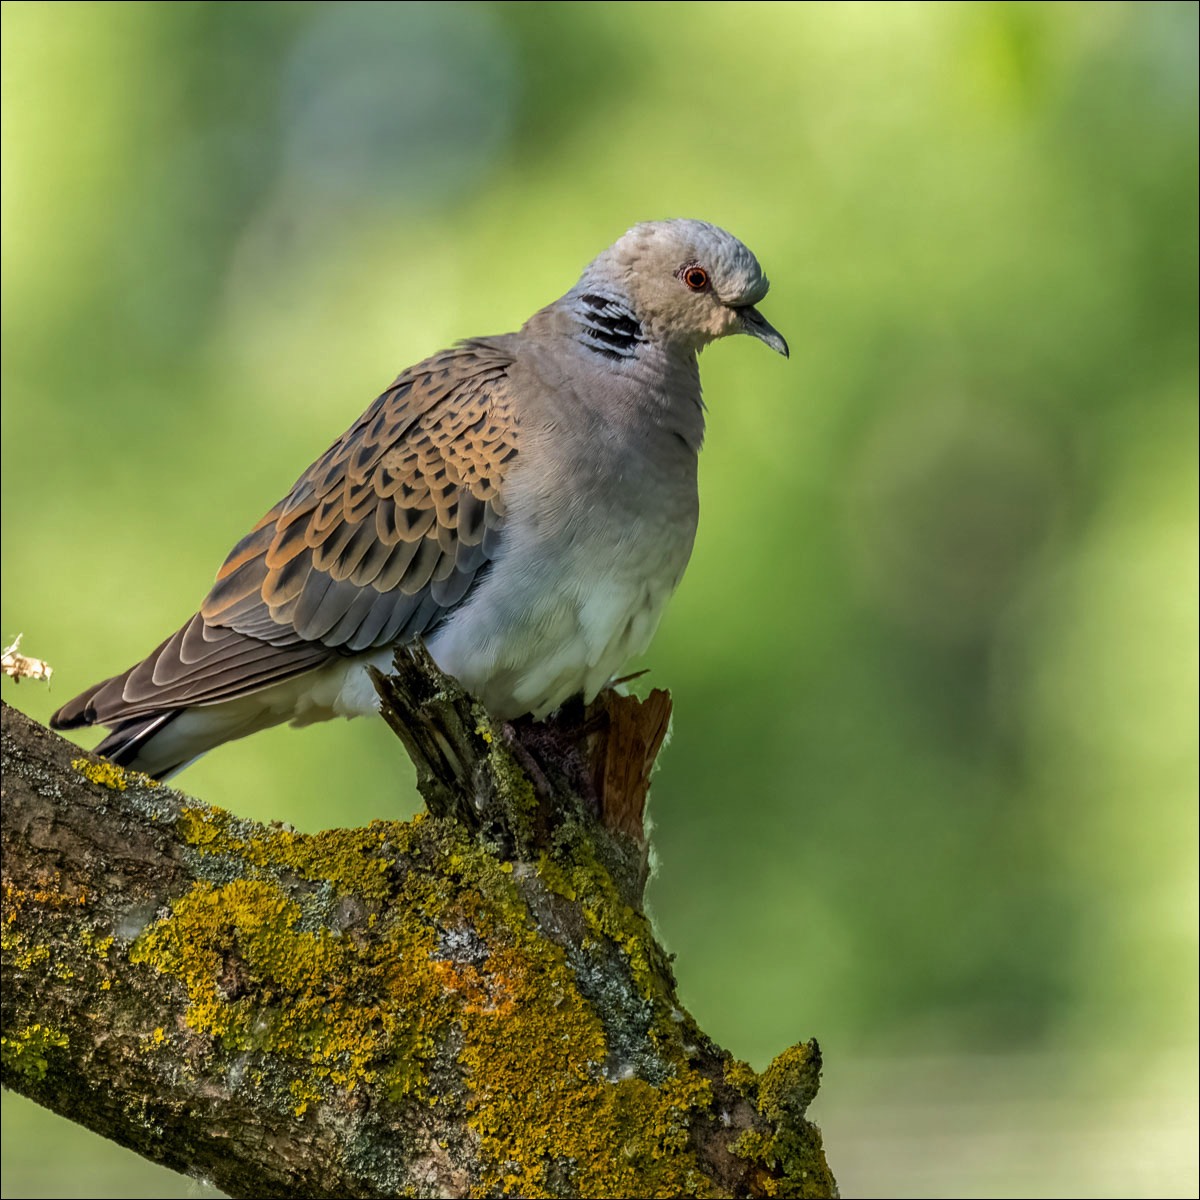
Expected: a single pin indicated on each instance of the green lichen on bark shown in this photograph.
(28, 1051)
(454, 960)
(787, 1146)
(105, 773)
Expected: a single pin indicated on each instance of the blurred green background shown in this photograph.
(931, 793)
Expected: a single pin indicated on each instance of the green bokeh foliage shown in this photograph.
(931, 786)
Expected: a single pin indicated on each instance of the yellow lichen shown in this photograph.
(100, 947)
(20, 950)
(27, 1050)
(354, 1011)
(523, 1019)
(790, 1148)
(342, 1012)
(575, 874)
(549, 1121)
(520, 800)
(741, 1076)
(20, 955)
(352, 860)
(304, 1094)
(790, 1082)
(49, 894)
(106, 774)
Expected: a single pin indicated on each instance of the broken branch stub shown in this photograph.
(517, 783)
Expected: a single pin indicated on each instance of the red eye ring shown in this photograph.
(695, 277)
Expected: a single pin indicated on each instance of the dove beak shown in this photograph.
(756, 325)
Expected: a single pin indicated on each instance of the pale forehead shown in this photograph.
(733, 268)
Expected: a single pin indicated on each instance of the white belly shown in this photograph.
(573, 639)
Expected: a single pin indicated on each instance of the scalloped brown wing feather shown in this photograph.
(377, 541)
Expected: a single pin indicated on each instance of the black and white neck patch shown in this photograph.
(608, 327)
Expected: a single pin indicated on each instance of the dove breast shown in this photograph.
(602, 517)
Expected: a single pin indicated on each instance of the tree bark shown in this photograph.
(472, 1003)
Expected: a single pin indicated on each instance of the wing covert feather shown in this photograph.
(386, 532)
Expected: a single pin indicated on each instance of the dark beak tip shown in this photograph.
(755, 324)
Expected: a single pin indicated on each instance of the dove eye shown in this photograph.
(696, 278)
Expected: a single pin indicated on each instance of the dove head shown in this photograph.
(686, 282)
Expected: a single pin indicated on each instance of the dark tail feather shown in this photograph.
(126, 738)
(124, 742)
(82, 710)
(200, 674)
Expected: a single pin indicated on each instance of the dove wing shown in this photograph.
(376, 543)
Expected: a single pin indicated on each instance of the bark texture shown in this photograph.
(471, 1003)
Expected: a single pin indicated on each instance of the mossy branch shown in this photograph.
(468, 1004)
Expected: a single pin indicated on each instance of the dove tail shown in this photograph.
(161, 743)
(127, 739)
(203, 686)
(125, 743)
(83, 709)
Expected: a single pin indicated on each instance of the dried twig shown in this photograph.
(19, 666)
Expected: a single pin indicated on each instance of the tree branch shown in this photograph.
(468, 1004)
